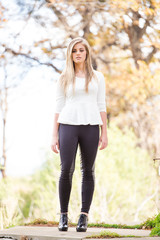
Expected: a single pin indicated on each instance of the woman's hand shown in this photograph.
(55, 144)
(103, 141)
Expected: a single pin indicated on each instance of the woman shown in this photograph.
(80, 112)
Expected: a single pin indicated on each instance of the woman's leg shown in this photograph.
(88, 141)
(68, 142)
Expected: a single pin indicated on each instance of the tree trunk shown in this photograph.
(4, 106)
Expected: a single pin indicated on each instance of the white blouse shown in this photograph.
(81, 108)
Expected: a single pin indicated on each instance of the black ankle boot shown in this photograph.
(82, 223)
(63, 222)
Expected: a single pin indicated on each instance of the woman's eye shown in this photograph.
(76, 51)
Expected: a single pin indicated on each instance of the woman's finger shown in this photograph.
(103, 145)
(54, 149)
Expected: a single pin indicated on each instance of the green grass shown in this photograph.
(122, 226)
(41, 222)
(150, 223)
(107, 234)
(104, 225)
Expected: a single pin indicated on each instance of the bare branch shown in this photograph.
(27, 19)
(32, 58)
(114, 60)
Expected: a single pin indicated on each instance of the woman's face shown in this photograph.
(79, 53)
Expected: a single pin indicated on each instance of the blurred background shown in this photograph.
(125, 41)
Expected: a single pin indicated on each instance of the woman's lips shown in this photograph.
(78, 57)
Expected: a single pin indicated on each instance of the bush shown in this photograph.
(123, 170)
(155, 231)
(155, 224)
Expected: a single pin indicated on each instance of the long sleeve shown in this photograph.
(60, 98)
(101, 94)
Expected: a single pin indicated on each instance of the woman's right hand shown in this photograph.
(55, 144)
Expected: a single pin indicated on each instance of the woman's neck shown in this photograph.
(80, 70)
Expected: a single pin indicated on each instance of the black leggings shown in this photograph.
(87, 136)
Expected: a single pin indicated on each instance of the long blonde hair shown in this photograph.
(68, 75)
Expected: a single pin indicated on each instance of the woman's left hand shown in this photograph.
(103, 141)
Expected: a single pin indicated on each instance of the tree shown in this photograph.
(120, 33)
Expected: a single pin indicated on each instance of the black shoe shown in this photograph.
(63, 222)
(82, 223)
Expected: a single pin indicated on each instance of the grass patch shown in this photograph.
(41, 222)
(44, 222)
(152, 223)
(122, 226)
(149, 223)
(107, 234)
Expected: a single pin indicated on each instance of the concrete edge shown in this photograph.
(33, 237)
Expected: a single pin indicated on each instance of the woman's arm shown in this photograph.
(55, 141)
(103, 140)
(60, 102)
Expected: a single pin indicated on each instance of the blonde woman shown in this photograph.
(79, 115)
